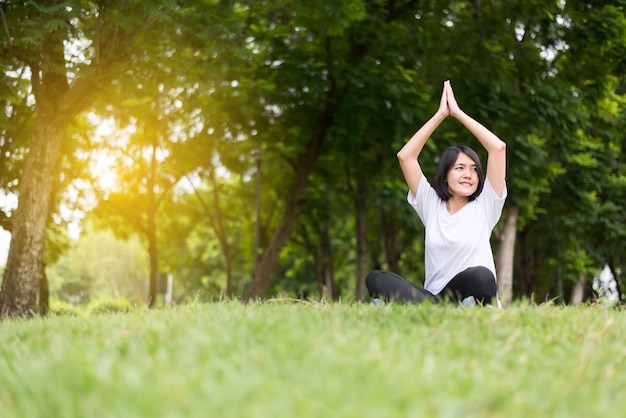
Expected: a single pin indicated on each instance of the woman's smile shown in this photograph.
(462, 177)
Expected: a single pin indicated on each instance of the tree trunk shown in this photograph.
(18, 295)
(269, 258)
(505, 256)
(327, 253)
(154, 271)
(528, 260)
(361, 241)
(328, 274)
(20, 285)
(578, 291)
(615, 272)
(319, 276)
(151, 230)
(388, 241)
(44, 293)
(295, 199)
(216, 220)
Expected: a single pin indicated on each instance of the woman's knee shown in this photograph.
(372, 276)
(372, 282)
(484, 283)
(485, 278)
(389, 285)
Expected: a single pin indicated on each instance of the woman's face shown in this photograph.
(463, 177)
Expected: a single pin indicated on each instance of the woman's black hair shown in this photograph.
(446, 161)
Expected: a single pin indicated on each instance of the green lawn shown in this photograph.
(277, 359)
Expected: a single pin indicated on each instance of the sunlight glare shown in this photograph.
(102, 165)
(102, 169)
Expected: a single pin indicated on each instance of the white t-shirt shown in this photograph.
(455, 242)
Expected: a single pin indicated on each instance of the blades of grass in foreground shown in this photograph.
(316, 360)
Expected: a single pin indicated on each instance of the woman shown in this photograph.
(459, 213)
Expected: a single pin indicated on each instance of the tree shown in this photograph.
(71, 50)
(314, 69)
(578, 106)
(139, 202)
(328, 92)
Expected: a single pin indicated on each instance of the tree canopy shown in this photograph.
(250, 145)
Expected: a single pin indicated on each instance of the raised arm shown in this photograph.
(411, 150)
(496, 148)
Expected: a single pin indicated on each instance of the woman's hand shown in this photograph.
(453, 107)
(444, 109)
(496, 148)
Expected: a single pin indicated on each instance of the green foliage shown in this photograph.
(62, 308)
(109, 306)
(204, 83)
(98, 265)
(292, 358)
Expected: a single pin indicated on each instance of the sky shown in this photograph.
(5, 240)
(8, 203)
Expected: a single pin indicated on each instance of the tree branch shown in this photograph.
(5, 26)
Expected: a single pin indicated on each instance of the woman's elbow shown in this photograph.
(402, 155)
(501, 147)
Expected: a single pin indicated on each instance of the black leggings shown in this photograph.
(478, 282)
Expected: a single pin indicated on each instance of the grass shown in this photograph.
(278, 359)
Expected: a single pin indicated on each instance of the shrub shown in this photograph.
(109, 305)
(61, 308)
